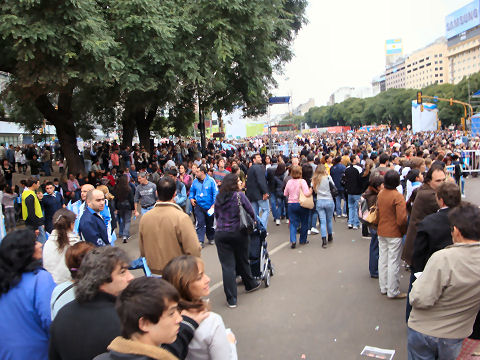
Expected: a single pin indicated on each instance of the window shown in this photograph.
(436, 69)
(441, 61)
(441, 81)
(441, 68)
(436, 75)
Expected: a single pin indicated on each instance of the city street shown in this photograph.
(322, 303)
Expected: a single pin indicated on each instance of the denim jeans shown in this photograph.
(312, 218)
(274, 205)
(353, 210)
(124, 219)
(203, 224)
(145, 210)
(298, 216)
(338, 203)
(88, 165)
(390, 250)
(263, 206)
(46, 168)
(373, 257)
(325, 209)
(424, 347)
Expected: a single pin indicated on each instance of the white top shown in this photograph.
(57, 301)
(54, 259)
(210, 341)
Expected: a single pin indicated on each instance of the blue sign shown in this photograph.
(279, 100)
(463, 19)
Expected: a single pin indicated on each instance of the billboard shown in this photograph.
(393, 51)
(463, 19)
(393, 47)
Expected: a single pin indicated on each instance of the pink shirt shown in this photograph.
(292, 189)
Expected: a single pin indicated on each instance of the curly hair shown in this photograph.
(16, 258)
(96, 269)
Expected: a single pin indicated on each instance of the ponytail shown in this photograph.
(62, 223)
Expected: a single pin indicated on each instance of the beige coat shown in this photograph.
(446, 297)
(165, 233)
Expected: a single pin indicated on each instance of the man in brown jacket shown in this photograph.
(166, 231)
(425, 204)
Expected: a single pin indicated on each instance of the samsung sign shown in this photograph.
(463, 19)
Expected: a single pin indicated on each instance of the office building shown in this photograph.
(395, 75)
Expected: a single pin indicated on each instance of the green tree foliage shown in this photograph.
(393, 106)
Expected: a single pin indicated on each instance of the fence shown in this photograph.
(471, 161)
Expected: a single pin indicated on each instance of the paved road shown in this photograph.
(322, 303)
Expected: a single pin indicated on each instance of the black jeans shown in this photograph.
(232, 249)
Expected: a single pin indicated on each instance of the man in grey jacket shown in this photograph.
(446, 296)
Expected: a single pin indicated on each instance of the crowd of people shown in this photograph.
(394, 187)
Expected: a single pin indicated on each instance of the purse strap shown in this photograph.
(238, 200)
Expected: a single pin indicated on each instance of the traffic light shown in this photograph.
(451, 101)
(419, 97)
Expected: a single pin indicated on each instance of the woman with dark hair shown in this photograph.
(62, 237)
(279, 176)
(232, 244)
(25, 291)
(65, 292)
(211, 340)
(124, 205)
(392, 225)
(374, 187)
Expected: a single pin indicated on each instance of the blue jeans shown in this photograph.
(203, 224)
(424, 347)
(373, 258)
(46, 168)
(145, 210)
(338, 203)
(312, 218)
(325, 209)
(274, 205)
(263, 206)
(353, 210)
(124, 219)
(298, 216)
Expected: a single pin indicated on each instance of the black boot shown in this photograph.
(324, 242)
(330, 237)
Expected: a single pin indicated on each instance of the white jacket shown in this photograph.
(54, 259)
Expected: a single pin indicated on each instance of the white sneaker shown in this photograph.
(355, 228)
(287, 221)
(277, 222)
(314, 230)
(344, 215)
(309, 232)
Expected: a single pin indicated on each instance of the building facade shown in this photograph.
(463, 41)
(395, 75)
(427, 66)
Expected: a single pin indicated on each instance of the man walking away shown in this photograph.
(353, 187)
(257, 189)
(145, 194)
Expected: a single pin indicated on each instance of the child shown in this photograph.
(149, 316)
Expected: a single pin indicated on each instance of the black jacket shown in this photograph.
(256, 183)
(84, 330)
(271, 178)
(433, 234)
(353, 181)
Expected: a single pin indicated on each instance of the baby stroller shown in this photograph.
(260, 263)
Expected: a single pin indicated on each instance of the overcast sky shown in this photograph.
(344, 43)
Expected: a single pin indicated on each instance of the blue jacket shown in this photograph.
(92, 228)
(336, 172)
(181, 197)
(204, 192)
(51, 203)
(25, 314)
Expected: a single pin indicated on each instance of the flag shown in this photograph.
(393, 46)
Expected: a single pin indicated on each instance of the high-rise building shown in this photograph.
(347, 92)
(463, 41)
(427, 66)
(378, 84)
(395, 75)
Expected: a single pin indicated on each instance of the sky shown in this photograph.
(343, 43)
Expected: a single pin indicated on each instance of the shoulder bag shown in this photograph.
(333, 188)
(305, 201)
(246, 222)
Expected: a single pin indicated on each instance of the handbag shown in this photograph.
(333, 188)
(246, 222)
(305, 201)
(365, 215)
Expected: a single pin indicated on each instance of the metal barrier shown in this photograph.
(471, 161)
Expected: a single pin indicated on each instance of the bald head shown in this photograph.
(85, 189)
(96, 200)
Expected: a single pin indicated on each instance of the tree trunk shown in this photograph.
(128, 130)
(62, 119)
(143, 125)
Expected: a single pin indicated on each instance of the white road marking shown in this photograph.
(275, 250)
